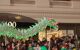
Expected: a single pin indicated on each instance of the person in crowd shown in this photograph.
(64, 47)
(23, 46)
(54, 42)
(30, 47)
(31, 40)
(54, 48)
(71, 45)
(0, 45)
(19, 46)
(74, 48)
(43, 47)
(9, 47)
(3, 47)
(15, 47)
(26, 44)
(46, 44)
(37, 47)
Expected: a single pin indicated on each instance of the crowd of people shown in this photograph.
(63, 43)
(29, 44)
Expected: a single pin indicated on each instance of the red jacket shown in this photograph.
(9, 47)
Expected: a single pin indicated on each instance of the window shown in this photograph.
(22, 1)
(61, 0)
(60, 3)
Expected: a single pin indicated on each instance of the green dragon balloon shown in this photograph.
(9, 31)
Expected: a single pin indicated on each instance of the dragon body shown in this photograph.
(25, 33)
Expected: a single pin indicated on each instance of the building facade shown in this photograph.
(64, 11)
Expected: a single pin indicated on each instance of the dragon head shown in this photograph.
(53, 24)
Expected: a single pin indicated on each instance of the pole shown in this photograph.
(49, 46)
(49, 42)
(5, 41)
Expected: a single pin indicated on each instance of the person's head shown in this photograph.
(8, 45)
(2, 43)
(41, 44)
(37, 45)
(30, 45)
(30, 38)
(13, 40)
(46, 43)
(54, 48)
